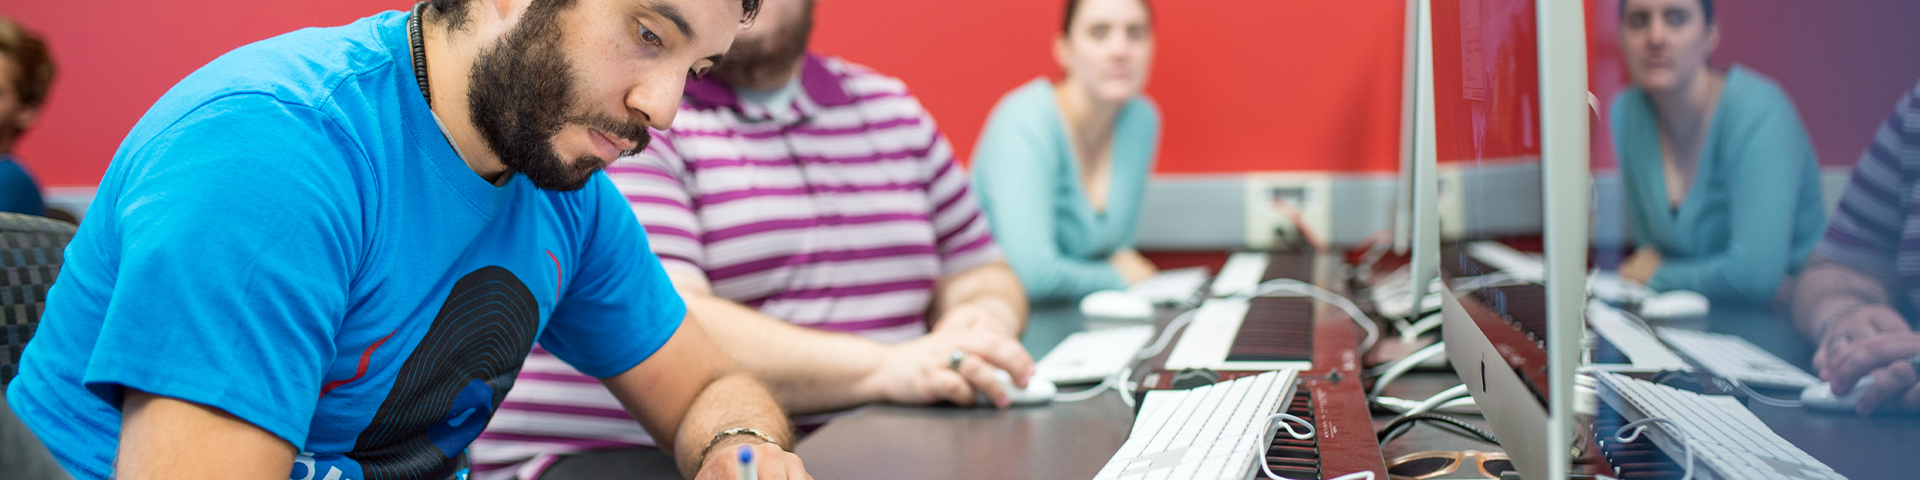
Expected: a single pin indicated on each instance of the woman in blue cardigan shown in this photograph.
(1061, 167)
(1722, 185)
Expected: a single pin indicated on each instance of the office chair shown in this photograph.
(30, 255)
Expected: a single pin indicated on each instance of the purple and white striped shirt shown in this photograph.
(1876, 227)
(840, 210)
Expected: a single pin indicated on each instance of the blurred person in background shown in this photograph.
(1061, 166)
(1856, 298)
(1721, 181)
(26, 71)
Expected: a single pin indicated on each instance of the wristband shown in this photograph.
(731, 432)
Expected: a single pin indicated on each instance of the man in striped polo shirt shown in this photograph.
(1857, 293)
(815, 221)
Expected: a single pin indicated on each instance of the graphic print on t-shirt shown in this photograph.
(451, 384)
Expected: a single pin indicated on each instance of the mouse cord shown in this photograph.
(1113, 382)
(1641, 425)
(1756, 396)
(1166, 334)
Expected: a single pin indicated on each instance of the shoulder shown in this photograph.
(1141, 112)
(1629, 106)
(1751, 94)
(861, 81)
(304, 67)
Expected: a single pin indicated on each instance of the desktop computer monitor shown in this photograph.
(1504, 81)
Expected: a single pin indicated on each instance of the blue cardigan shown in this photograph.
(1028, 180)
(1753, 212)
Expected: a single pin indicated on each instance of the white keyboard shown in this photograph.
(1176, 287)
(1522, 266)
(1733, 358)
(1212, 432)
(1727, 441)
(1643, 350)
(1093, 355)
(1240, 275)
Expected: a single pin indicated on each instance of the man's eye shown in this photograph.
(1677, 18)
(1637, 20)
(648, 37)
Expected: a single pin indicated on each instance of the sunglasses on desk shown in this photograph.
(1425, 465)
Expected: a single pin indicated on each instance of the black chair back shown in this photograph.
(31, 250)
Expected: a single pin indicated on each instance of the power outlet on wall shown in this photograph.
(1288, 208)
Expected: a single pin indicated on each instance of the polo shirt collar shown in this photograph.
(820, 87)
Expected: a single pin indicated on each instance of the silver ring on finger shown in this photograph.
(953, 359)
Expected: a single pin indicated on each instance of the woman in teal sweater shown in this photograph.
(1061, 167)
(1721, 182)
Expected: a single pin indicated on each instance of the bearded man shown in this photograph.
(814, 219)
(326, 255)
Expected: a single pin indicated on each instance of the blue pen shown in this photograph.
(748, 471)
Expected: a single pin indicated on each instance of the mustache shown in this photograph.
(630, 131)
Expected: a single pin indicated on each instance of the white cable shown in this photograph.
(1272, 426)
(1641, 425)
(1299, 288)
(1458, 406)
(1404, 365)
(1756, 396)
(1166, 334)
(1440, 398)
(1106, 383)
(1413, 331)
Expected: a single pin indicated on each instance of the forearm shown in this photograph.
(992, 287)
(733, 400)
(808, 370)
(1826, 288)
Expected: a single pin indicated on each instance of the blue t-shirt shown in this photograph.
(18, 192)
(287, 235)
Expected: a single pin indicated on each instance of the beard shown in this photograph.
(523, 90)
(750, 60)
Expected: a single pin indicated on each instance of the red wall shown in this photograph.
(1242, 84)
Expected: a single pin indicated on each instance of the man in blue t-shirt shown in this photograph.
(325, 255)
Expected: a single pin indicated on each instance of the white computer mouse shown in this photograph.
(1038, 392)
(1820, 396)
(1674, 305)
(1116, 305)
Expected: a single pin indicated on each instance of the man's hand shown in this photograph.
(769, 460)
(1851, 324)
(1132, 266)
(1885, 357)
(920, 371)
(1641, 266)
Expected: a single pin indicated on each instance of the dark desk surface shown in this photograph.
(1869, 448)
(1056, 441)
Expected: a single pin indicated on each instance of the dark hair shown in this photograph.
(33, 74)
(1706, 10)
(1066, 22)
(454, 12)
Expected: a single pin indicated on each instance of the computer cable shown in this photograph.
(1758, 397)
(1118, 379)
(1440, 398)
(1400, 406)
(1272, 426)
(1293, 287)
(1451, 424)
(1404, 365)
(1640, 425)
(1166, 334)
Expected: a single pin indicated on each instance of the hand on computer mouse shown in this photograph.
(923, 371)
(1856, 323)
(1886, 358)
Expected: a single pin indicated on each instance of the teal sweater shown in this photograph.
(1753, 212)
(1026, 175)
